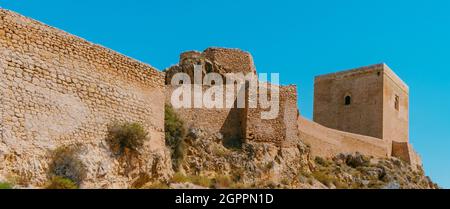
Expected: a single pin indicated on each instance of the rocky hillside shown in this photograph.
(209, 164)
(202, 160)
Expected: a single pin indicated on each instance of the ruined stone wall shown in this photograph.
(326, 142)
(235, 123)
(226, 121)
(364, 114)
(58, 89)
(213, 60)
(280, 129)
(245, 124)
(230, 60)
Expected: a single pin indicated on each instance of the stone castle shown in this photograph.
(58, 89)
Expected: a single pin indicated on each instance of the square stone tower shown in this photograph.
(371, 101)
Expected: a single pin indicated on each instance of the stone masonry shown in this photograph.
(235, 124)
(58, 89)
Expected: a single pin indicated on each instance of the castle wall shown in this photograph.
(245, 124)
(395, 122)
(404, 151)
(280, 129)
(364, 114)
(213, 60)
(327, 142)
(230, 60)
(227, 121)
(58, 89)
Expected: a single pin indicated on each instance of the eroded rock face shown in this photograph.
(260, 165)
(265, 165)
(359, 171)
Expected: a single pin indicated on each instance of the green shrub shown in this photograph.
(5, 185)
(175, 133)
(66, 164)
(126, 136)
(59, 182)
(357, 160)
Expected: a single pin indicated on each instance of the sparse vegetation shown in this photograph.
(219, 181)
(126, 137)
(321, 161)
(175, 133)
(197, 180)
(5, 185)
(59, 182)
(66, 164)
(323, 177)
(179, 178)
(357, 160)
(201, 181)
(220, 151)
(222, 181)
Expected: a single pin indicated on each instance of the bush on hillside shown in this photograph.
(126, 136)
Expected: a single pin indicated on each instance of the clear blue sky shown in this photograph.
(299, 39)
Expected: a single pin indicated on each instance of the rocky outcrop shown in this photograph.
(358, 171)
(260, 165)
(265, 165)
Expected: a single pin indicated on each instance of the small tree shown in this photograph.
(126, 136)
(66, 164)
(174, 135)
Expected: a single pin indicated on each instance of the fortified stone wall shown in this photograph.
(280, 129)
(226, 121)
(405, 151)
(230, 60)
(245, 124)
(58, 89)
(371, 101)
(395, 118)
(327, 142)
